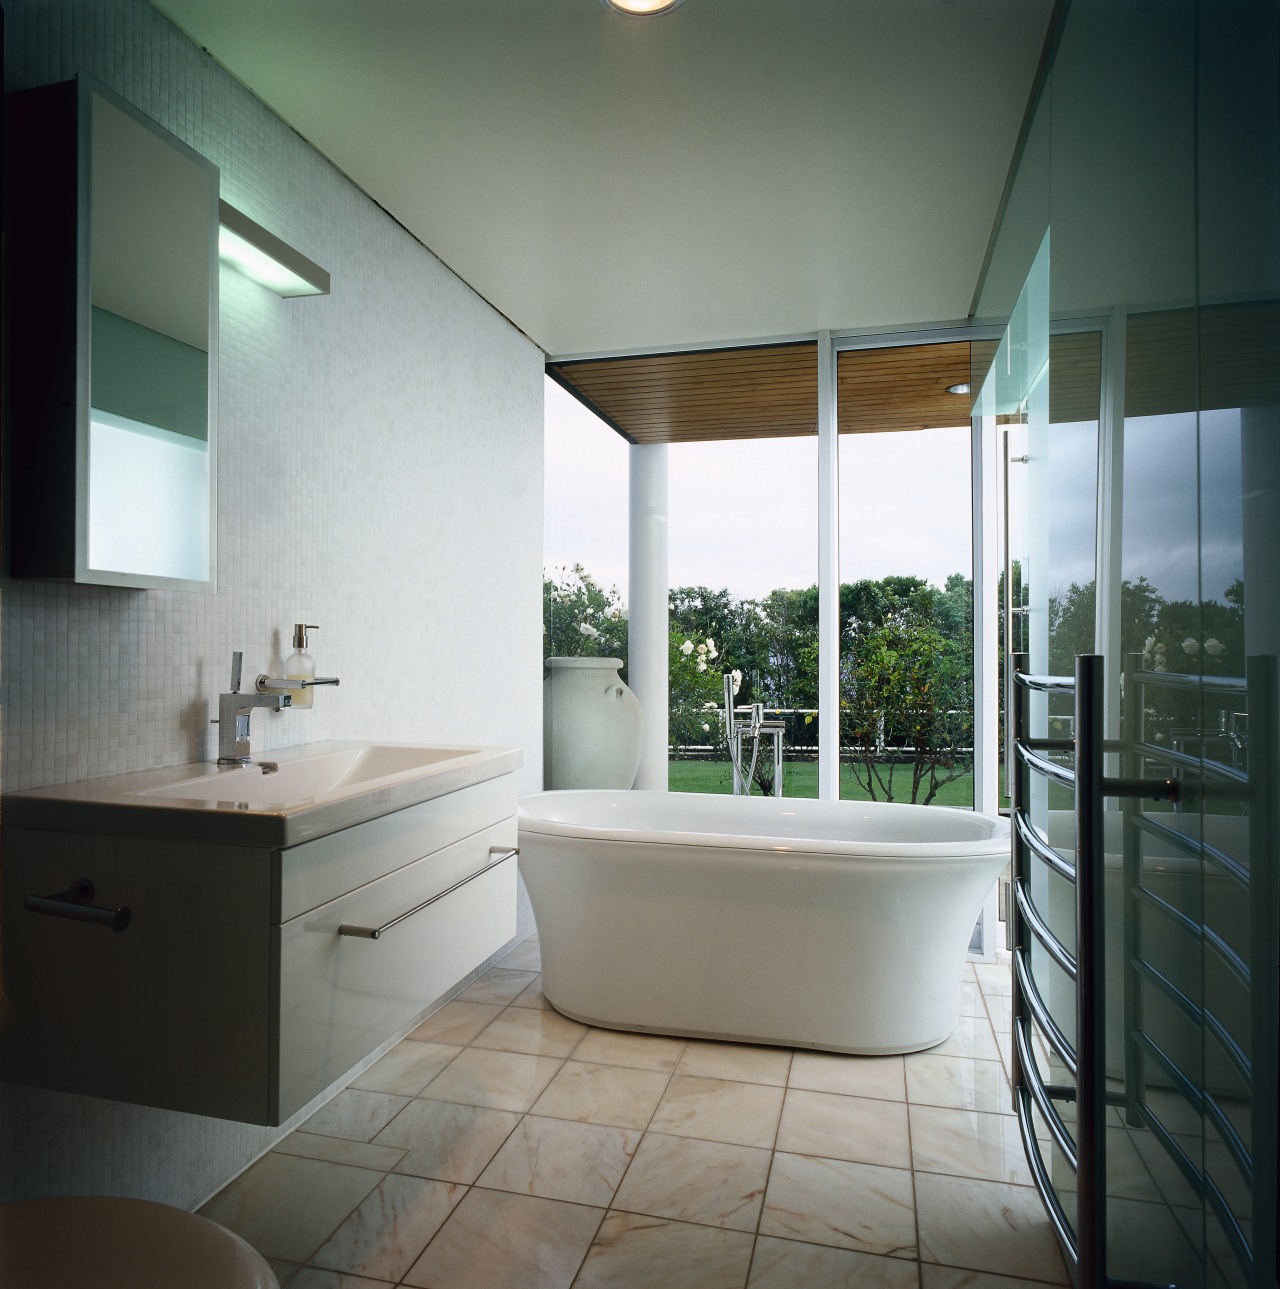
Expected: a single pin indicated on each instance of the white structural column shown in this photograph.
(828, 575)
(647, 600)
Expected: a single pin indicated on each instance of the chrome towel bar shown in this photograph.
(497, 854)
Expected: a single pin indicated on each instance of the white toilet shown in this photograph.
(108, 1243)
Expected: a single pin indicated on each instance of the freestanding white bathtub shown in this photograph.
(834, 925)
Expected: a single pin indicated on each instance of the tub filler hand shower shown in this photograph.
(755, 727)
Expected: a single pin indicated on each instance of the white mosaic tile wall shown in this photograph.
(380, 473)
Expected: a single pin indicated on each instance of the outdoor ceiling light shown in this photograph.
(263, 257)
(962, 388)
(642, 8)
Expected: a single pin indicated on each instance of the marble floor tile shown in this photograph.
(1148, 1241)
(318, 1278)
(447, 1141)
(696, 1181)
(640, 1051)
(534, 1030)
(994, 977)
(971, 1000)
(1000, 1010)
(968, 1143)
(1128, 1175)
(526, 956)
(496, 1240)
(633, 1251)
(736, 1061)
(609, 1094)
(407, 1068)
(843, 1127)
(499, 1080)
(497, 985)
(833, 1201)
(788, 1264)
(1004, 1044)
(936, 1277)
(958, 1082)
(390, 1228)
(532, 996)
(581, 1163)
(456, 1022)
(742, 1114)
(355, 1114)
(281, 1269)
(286, 1206)
(337, 1150)
(972, 1036)
(859, 1076)
(986, 1226)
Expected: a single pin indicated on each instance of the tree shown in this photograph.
(907, 690)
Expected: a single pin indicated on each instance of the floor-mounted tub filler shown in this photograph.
(837, 925)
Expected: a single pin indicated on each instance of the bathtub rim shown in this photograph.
(933, 851)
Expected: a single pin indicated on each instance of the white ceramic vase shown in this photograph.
(592, 725)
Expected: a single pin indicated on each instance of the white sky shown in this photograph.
(744, 514)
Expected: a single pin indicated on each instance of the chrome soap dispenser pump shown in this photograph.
(300, 665)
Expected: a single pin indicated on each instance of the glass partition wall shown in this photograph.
(1152, 162)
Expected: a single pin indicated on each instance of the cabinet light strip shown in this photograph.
(263, 257)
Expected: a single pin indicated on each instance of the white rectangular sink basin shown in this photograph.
(289, 796)
(293, 782)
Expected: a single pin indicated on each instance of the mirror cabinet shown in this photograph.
(112, 326)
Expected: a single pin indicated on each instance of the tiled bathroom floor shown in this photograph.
(503, 1146)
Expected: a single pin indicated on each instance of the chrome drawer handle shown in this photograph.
(76, 903)
(496, 855)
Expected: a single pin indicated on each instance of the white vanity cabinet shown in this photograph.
(246, 981)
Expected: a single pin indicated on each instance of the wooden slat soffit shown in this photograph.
(1176, 360)
(764, 392)
(769, 392)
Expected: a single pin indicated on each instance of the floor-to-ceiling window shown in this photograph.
(743, 603)
(906, 573)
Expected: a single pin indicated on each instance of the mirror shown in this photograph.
(136, 504)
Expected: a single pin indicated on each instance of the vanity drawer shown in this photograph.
(324, 869)
(174, 1011)
(342, 994)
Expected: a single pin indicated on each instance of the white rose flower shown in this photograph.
(702, 664)
(687, 648)
(1191, 646)
(702, 649)
(737, 680)
(1214, 646)
(587, 629)
(706, 727)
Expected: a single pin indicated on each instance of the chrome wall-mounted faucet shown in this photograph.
(234, 711)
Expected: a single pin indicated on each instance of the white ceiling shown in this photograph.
(736, 169)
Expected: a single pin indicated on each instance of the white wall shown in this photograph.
(380, 473)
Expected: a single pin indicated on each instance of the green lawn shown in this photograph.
(800, 779)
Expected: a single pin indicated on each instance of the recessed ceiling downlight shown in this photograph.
(642, 8)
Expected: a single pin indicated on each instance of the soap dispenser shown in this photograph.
(300, 665)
